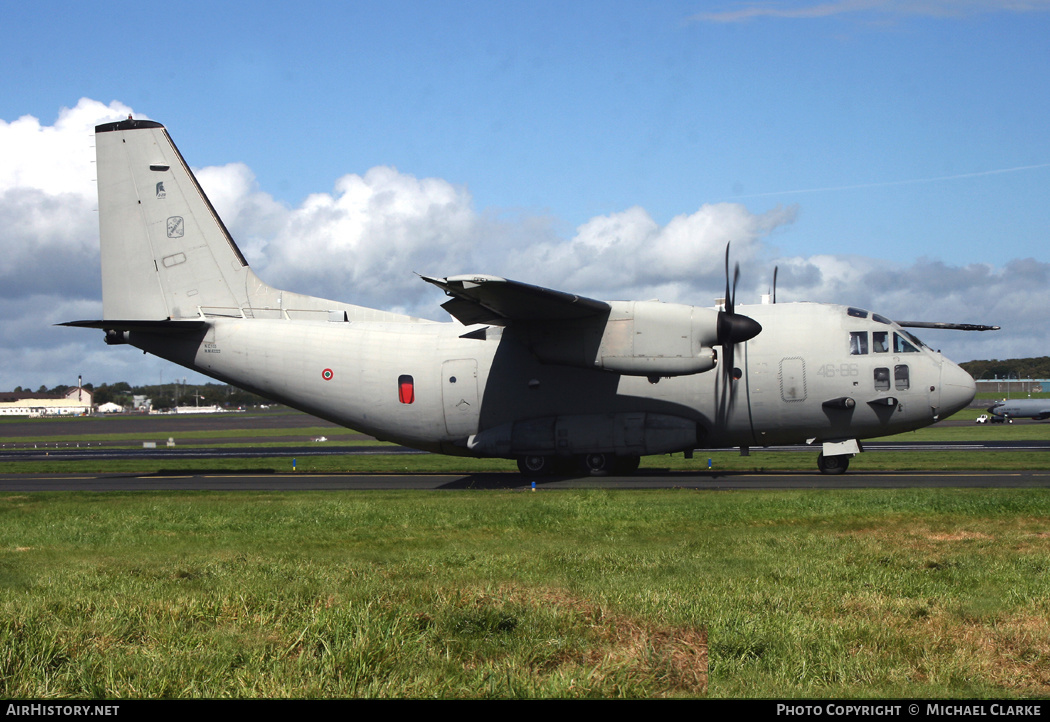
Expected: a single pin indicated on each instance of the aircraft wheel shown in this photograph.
(535, 464)
(597, 463)
(833, 464)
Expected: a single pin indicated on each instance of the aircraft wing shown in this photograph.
(497, 301)
(947, 326)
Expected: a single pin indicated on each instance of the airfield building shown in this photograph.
(74, 402)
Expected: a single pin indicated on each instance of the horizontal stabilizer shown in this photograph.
(164, 326)
(490, 299)
(947, 326)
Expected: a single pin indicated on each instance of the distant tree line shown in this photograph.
(166, 395)
(1020, 368)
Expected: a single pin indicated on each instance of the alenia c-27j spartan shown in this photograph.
(551, 379)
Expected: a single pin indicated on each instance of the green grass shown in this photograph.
(583, 593)
(588, 593)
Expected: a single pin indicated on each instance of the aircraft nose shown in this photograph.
(957, 389)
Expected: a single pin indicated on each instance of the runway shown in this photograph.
(266, 479)
(699, 480)
(70, 451)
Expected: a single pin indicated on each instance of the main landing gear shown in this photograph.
(597, 464)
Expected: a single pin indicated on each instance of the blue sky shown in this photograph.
(882, 153)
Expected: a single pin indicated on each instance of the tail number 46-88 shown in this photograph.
(831, 371)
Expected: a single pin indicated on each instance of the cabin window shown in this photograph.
(902, 345)
(406, 389)
(901, 377)
(880, 341)
(882, 379)
(858, 343)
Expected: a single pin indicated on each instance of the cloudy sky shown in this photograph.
(891, 154)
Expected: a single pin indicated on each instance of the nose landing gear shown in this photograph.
(833, 464)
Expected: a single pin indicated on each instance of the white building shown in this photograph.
(74, 402)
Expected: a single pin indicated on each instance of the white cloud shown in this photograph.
(59, 158)
(251, 214)
(47, 198)
(884, 8)
(628, 254)
(49, 242)
(366, 237)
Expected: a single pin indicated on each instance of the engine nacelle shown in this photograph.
(637, 338)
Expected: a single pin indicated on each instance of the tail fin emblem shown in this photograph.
(175, 227)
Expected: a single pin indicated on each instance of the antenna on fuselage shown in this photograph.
(771, 297)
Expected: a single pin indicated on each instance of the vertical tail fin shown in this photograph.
(165, 252)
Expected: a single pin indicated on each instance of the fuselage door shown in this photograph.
(459, 395)
(793, 379)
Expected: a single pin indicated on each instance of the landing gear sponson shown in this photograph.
(596, 463)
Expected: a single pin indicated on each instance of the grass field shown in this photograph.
(517, 594)
(583, 593)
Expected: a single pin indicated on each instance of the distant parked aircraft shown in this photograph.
(1021, 409)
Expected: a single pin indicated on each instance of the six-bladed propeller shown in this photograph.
(733, 328)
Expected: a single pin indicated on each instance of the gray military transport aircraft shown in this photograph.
(548, 378)
(1037, 409)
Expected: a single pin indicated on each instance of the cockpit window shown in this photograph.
(913, 338)
(857, 312)
(880, 319)
(858, 343)
(880, 341)
(902, 345)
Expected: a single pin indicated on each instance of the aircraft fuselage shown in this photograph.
(815, 373)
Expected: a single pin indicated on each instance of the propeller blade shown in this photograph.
(733, 328)
(727, 302)
(736, 280)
